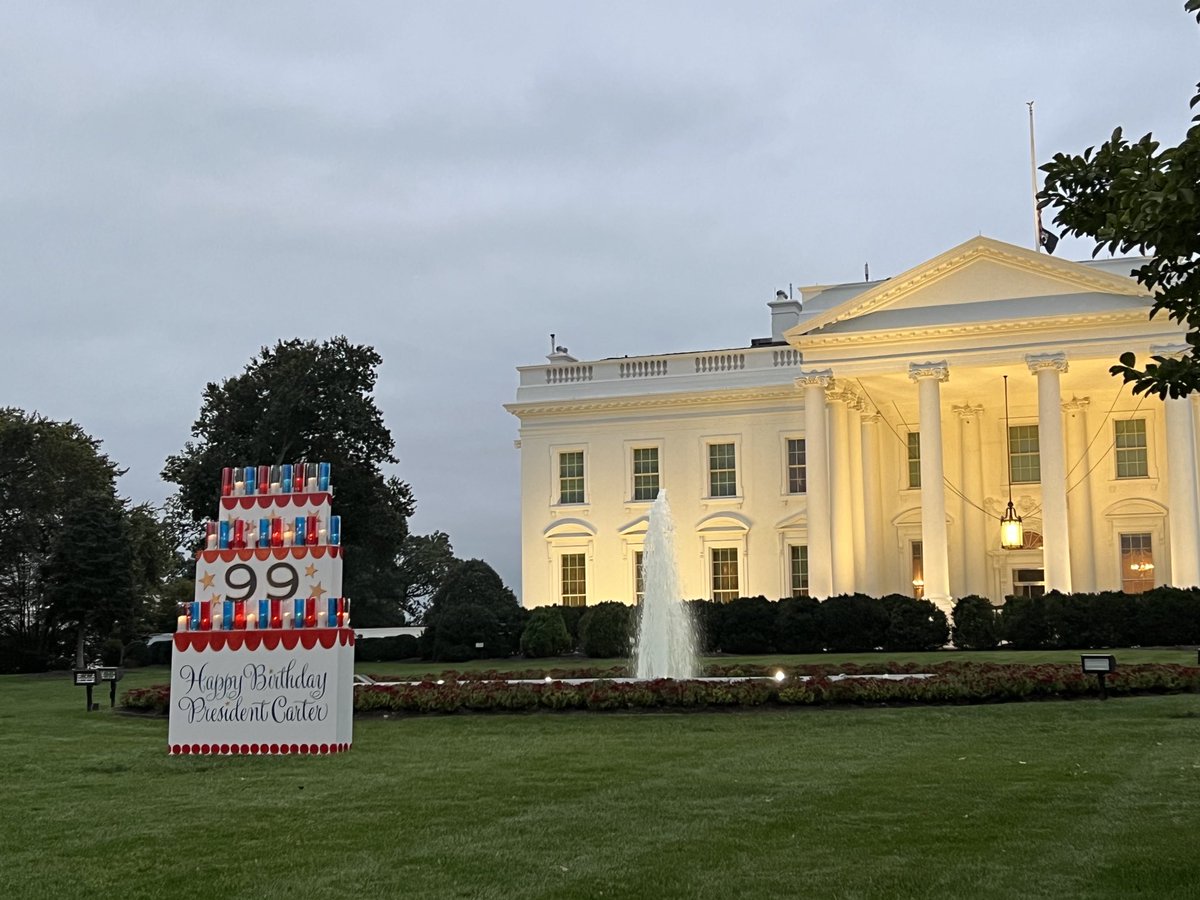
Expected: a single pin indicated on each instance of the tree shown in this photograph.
(425, 561)
(46, 468)
(471, 608)
(309, 401)
(1135, 196)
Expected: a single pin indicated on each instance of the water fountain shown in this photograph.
(666, 638)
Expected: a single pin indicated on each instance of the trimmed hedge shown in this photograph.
(546, 633)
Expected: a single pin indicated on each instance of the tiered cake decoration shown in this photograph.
(273, 557)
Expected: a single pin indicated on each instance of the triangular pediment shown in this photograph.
(980, 280)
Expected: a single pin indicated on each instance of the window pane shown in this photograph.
(725, 574)
(570, 477)
(639, 577)
(1137, 563)
(722, 471)
(797, 467)
(574, 579)
(799, 555)
(914, 459)
(1129, 438)
(645, 473)
(1024, 453)
(918, 569)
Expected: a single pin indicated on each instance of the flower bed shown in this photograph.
(953, 683)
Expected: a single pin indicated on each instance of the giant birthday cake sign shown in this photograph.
(264, 656)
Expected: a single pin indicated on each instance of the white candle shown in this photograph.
(239, 488)
(324, 536)
(212, 542)
(288, 535)
(287, 620)
(312, 485)
(251, 621)
(182, 626)
(275, 487)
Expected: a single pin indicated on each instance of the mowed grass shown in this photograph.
(1051, 799)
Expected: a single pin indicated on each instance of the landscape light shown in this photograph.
(1098, 664)
(779, 676)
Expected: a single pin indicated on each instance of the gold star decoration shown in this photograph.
(310, 571)
(207, 580)
(317, 590)
(215, 598)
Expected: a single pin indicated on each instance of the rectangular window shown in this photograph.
(918, 569)
(574, 579)
(645, 473)
(570, 477)
(799, 554)
(639, 577)
(797, 468)
(1137, 563)
(1029, 582)
(724, 574)
(1130, 440)
(722, 470)
(1024, 454)
(914, 459)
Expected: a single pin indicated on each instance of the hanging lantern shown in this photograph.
(1012, 532)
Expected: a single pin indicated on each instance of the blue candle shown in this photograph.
(286, 478)
(323, 476)
(335, 531)
(195, 611)
(298, 613)
(251, 474)
(264, 613)
(227, 615)
(264, 532)
(332, 607)
(223, 535)
(298, 537)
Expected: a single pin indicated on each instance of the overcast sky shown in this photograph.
(181, 184)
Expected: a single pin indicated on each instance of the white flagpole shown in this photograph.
(1037, 213)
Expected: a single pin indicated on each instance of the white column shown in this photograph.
(816, 447)
(841, 506)
(929, 377)
(872, 508)
(1181, 492)
(858, 522)
(1079, 508)
(1056, 536)
(974, 520)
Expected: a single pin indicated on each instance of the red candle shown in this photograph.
(310, 531)
(310, 612)
(277, 532)
(239, 615)
(298, 477)
(205, 615)
(341, 612)
(264, 479)
(276, 617)
(239, 534)
(226, 481)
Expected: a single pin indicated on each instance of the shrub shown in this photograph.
(571, 616)
(976, 624)
(396, 647)
(136, 654)
(914, 624)
(606, 629)
(1023, 623)
(709, 616)
(111, 651)
(160, 653)
(748, 625)
(853, 623)
(546, 633)
(798, 625)
(472, 607)
(1167, 616)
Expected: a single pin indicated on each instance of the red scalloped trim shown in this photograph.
(265, 501)
(270, 638)
(258, 749)
(316, 552)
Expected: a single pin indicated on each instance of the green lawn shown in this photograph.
(1052, 799)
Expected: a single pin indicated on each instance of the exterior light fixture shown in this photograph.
(1012, 532)
(779, 676)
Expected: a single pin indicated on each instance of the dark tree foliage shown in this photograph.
(425, 561)
(606, 630)
(798, 625)
(472, 606)
(852, 623)
(914, 624)
(748, 625)
(309, 401)
(45, 468)
(976, 624)
(1137, 196)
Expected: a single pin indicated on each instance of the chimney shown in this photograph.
(785, 314)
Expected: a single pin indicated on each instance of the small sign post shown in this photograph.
(111, 674)
(88, 678)
(1101, 664)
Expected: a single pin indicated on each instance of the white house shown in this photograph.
(865, 446)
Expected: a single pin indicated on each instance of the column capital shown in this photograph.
(843, 393)
(967, 411)
(937, 370)
(1039, 361)
(815, 378)
(1170, 351)
(1076, 403)
(872, 418)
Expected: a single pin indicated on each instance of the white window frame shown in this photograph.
(785, 470)
(649, 444)
(739, 469)
(556, 481)
(710, 551)
(906, 461)
(560, 558)
(1121, 562)
(791, 582)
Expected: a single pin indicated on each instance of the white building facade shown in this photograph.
(864, 447)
